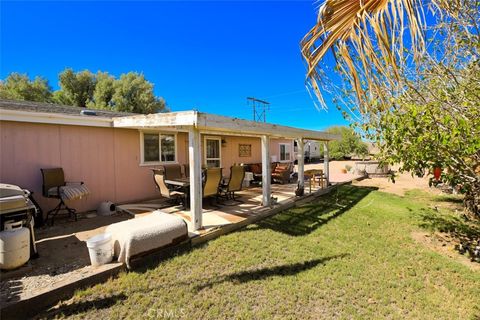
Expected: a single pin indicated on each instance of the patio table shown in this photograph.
(312, 174)
(181, 182)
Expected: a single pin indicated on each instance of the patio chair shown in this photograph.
(213, 177)
(54, 186)
(321, 178)
(172, 171)
(235, 183)
(177, 196)
(186, 170)
(282, 173)
(256, 169)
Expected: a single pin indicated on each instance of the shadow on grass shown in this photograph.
(450, 199)
(455, 226)
(84, 306)
(306, 218)
(259, 274)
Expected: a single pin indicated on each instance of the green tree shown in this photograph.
(76, 88)
(130, 93)
(416, 93)
(104, 91)
(435, 127)
(135, 94)
(19, 87)
(350, 143)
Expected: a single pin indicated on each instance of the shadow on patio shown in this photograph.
(306, 218)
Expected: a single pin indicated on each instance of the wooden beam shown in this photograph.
(266, 173)
(227, 124)
(195, 164)
(232, 134)
(326, 162)
(301, 161)
(157, 120)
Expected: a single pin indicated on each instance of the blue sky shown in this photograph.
(204, 55)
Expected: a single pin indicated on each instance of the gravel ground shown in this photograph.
(63, 256)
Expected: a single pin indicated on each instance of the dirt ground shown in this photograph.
(403, 181)
(444, 244)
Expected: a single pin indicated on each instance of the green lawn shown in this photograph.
(348, 255)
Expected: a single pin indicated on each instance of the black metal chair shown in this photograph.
(53, 180)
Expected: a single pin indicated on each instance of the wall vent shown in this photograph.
(88, 112)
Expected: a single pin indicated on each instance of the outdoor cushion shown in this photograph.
(70, 192)
(256, 168)
(141, 235)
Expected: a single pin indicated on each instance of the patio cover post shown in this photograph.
(266, 173)
(301, 161)
(194, 158)
(326, 163)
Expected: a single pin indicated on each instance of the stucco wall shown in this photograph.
(230, 150)
(106, 159)
(275, 147)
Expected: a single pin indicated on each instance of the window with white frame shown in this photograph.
(158, 147)
(284, 152)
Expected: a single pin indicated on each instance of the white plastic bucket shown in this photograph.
(100, 249)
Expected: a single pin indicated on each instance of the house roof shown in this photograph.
(30, 106)
(37, 112)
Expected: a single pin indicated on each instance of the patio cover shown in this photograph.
(197, 123)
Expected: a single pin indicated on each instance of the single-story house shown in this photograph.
(113, 152)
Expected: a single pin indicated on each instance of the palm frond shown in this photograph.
(367, 38)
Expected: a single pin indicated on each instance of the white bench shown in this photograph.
(139, 236)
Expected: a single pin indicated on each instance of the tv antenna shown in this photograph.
(260, 108)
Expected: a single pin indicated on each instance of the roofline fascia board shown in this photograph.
(54, 118)
(169, 119)
(226, 124)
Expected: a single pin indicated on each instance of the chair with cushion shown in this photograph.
(55, 186)
(172, 171)
(213, 177)
(256, 169)
(282, 172)
(235, 183)
(176, 196)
